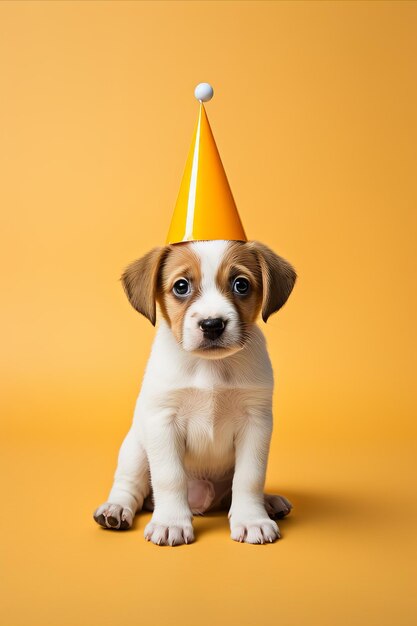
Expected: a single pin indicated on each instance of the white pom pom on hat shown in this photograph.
(204, 92)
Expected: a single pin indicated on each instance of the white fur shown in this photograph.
(199, 417)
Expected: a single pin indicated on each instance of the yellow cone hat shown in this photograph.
(205, 207)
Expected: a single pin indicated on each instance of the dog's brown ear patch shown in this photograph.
(278, 279)
(140, 281)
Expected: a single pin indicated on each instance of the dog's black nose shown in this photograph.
(212, 327)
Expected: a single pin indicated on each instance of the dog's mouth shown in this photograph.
(217, 348)
(213, 348)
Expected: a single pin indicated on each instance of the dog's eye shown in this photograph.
(181, 287)
(241, 285)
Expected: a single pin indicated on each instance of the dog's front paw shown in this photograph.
(256, 530)
(113, 516)
(169, 533)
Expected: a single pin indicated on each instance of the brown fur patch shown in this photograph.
(140, 280)
(241, 260)
(278, 278)
(182, 262)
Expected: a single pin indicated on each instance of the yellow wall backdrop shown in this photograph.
(315, 118)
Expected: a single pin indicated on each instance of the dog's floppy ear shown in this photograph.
(278, 278)
(140, 281)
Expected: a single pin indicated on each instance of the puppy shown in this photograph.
(202, 425)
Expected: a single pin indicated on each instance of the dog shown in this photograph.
(202, 425)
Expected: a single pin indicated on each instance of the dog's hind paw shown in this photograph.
(277, 507)
(113, 516)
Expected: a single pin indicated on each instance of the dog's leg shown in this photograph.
(130, 487)
(171, 520)
(249, 520)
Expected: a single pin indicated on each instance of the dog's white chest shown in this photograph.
(209, 418)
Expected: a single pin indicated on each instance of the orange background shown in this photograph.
(315, 118)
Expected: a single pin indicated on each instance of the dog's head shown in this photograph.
(210, 292)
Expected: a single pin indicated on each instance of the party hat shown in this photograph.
(205, 208)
